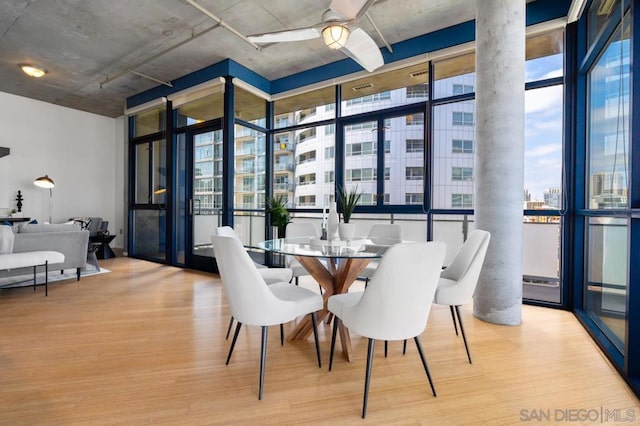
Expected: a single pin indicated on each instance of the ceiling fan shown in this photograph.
(339, 30)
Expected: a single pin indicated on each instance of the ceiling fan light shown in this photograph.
(32, 71)
(335, 36)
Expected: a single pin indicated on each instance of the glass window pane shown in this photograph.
(249, 107)
(374, 92)
(607, 282)
(404, 164)
(541, 258)
(453, 159)
(600, 11)
(543, 148)
(149, 233)
(305, 108)
(207, 172)
(200, 110)
(608, 124)
(250, 166)
(360, 159)
(303, 166)
(544, 56)
(149, 122)
(142, 173)
(454, 76)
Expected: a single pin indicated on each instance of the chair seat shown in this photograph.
(338, 303)
(370, 269)
(275, 275)
(447, 292)
(305, 301)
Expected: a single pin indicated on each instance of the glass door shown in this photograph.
(199, 195)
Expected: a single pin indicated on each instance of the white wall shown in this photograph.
(82, 152)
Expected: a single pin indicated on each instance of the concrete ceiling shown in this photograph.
(82, 43)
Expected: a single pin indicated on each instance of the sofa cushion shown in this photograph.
(31, 228)
(6, 239)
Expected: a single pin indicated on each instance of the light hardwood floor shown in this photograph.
(145, 344)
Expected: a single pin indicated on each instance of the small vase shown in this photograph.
(332, 222)
(347, 231)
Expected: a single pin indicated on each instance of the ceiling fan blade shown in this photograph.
(287, 35)
(351, 9)
(361, 48)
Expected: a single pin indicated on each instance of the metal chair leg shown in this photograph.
(226, 337)
(404, 347)
(233, 342)
(315, 336)
(424, 364)
(336, 320)
(453, 317)
(263, 358)
(281, 335)
(296, 280)
(367, 377)
(464, 337)
(386, 346)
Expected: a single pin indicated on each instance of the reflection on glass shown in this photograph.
(149, 234)
(607, 282)
(393, 88)
(148, 122)
(600, 11)
(454, 76)
(608, 121)
(200, 110)
(142, 173)
(249, 107)
(453, 154)
(544, 56)
(305, 108)
(250, 163)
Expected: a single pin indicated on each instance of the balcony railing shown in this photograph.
(279, 167)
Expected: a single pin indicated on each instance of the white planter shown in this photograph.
(347, 231)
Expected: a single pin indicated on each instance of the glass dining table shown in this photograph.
(335, 265)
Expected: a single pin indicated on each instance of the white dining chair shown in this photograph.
(458, 280)
(253, 302)
(395, 304)
(299, 229)
(269, 275)
(385, 234)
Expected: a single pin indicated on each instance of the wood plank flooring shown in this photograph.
(145, 344)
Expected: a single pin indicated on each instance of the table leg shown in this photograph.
(334, 279)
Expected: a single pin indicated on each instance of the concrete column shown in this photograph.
(499, 177)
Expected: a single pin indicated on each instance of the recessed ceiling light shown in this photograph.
(32, 71)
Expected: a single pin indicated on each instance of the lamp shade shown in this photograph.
(335, 36)
(44, 182)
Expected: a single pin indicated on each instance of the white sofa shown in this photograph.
(67, 239)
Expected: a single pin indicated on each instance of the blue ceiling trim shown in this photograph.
(537, 12)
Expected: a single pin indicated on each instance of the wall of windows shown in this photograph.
(607, 226)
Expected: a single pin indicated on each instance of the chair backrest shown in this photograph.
(476, 245)
(398, 299)
(226, 231)
(250, 299)
(302, 229)
(467, 264)
(385, 233)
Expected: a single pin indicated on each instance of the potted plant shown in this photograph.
(348, 201)
(278, 213)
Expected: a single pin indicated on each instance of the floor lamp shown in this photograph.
(47, 183)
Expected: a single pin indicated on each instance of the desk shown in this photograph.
(344, 263)
(14, 219)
